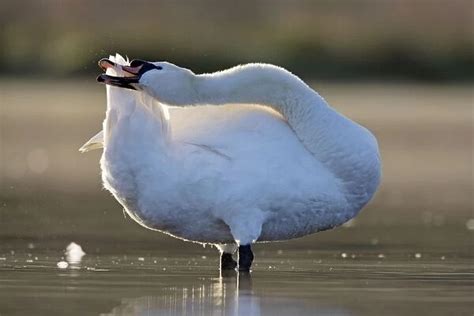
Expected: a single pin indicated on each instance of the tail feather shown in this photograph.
(95, 142)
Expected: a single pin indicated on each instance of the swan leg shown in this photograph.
(227, 261)
(245, 226)
(245, 258)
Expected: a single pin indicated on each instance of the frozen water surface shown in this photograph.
(294, 278)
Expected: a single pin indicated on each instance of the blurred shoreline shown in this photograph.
(426, 41)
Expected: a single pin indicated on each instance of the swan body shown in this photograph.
(244, 155)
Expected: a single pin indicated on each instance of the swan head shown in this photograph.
(164, 81)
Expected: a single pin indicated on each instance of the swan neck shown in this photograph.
(256, 84)
(147, 119)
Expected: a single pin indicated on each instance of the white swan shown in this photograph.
(274, 162)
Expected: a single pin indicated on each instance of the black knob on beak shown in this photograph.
(137, 63)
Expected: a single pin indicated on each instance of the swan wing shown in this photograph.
(227, 130)
(217, 130)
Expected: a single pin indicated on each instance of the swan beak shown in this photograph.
(121, 82)
(129, 71)
(132, 73)
(105, 63)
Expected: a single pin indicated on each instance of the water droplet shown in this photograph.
(74, 253)
(381, 256)
(344, 255)
(141, 259)
(417, 255)
(62, 264)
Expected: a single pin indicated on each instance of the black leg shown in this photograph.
(245, 257)
(227, 262)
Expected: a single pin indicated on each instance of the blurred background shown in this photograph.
(403, 69)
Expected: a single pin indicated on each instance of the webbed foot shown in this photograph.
(245, 258)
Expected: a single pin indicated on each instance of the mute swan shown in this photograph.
(272, 162)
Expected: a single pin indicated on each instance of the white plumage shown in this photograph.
(248, 154)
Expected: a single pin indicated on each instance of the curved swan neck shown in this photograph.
(305, 110)
(347, 149)
(255, 84)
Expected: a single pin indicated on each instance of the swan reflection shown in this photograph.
(231, 293)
